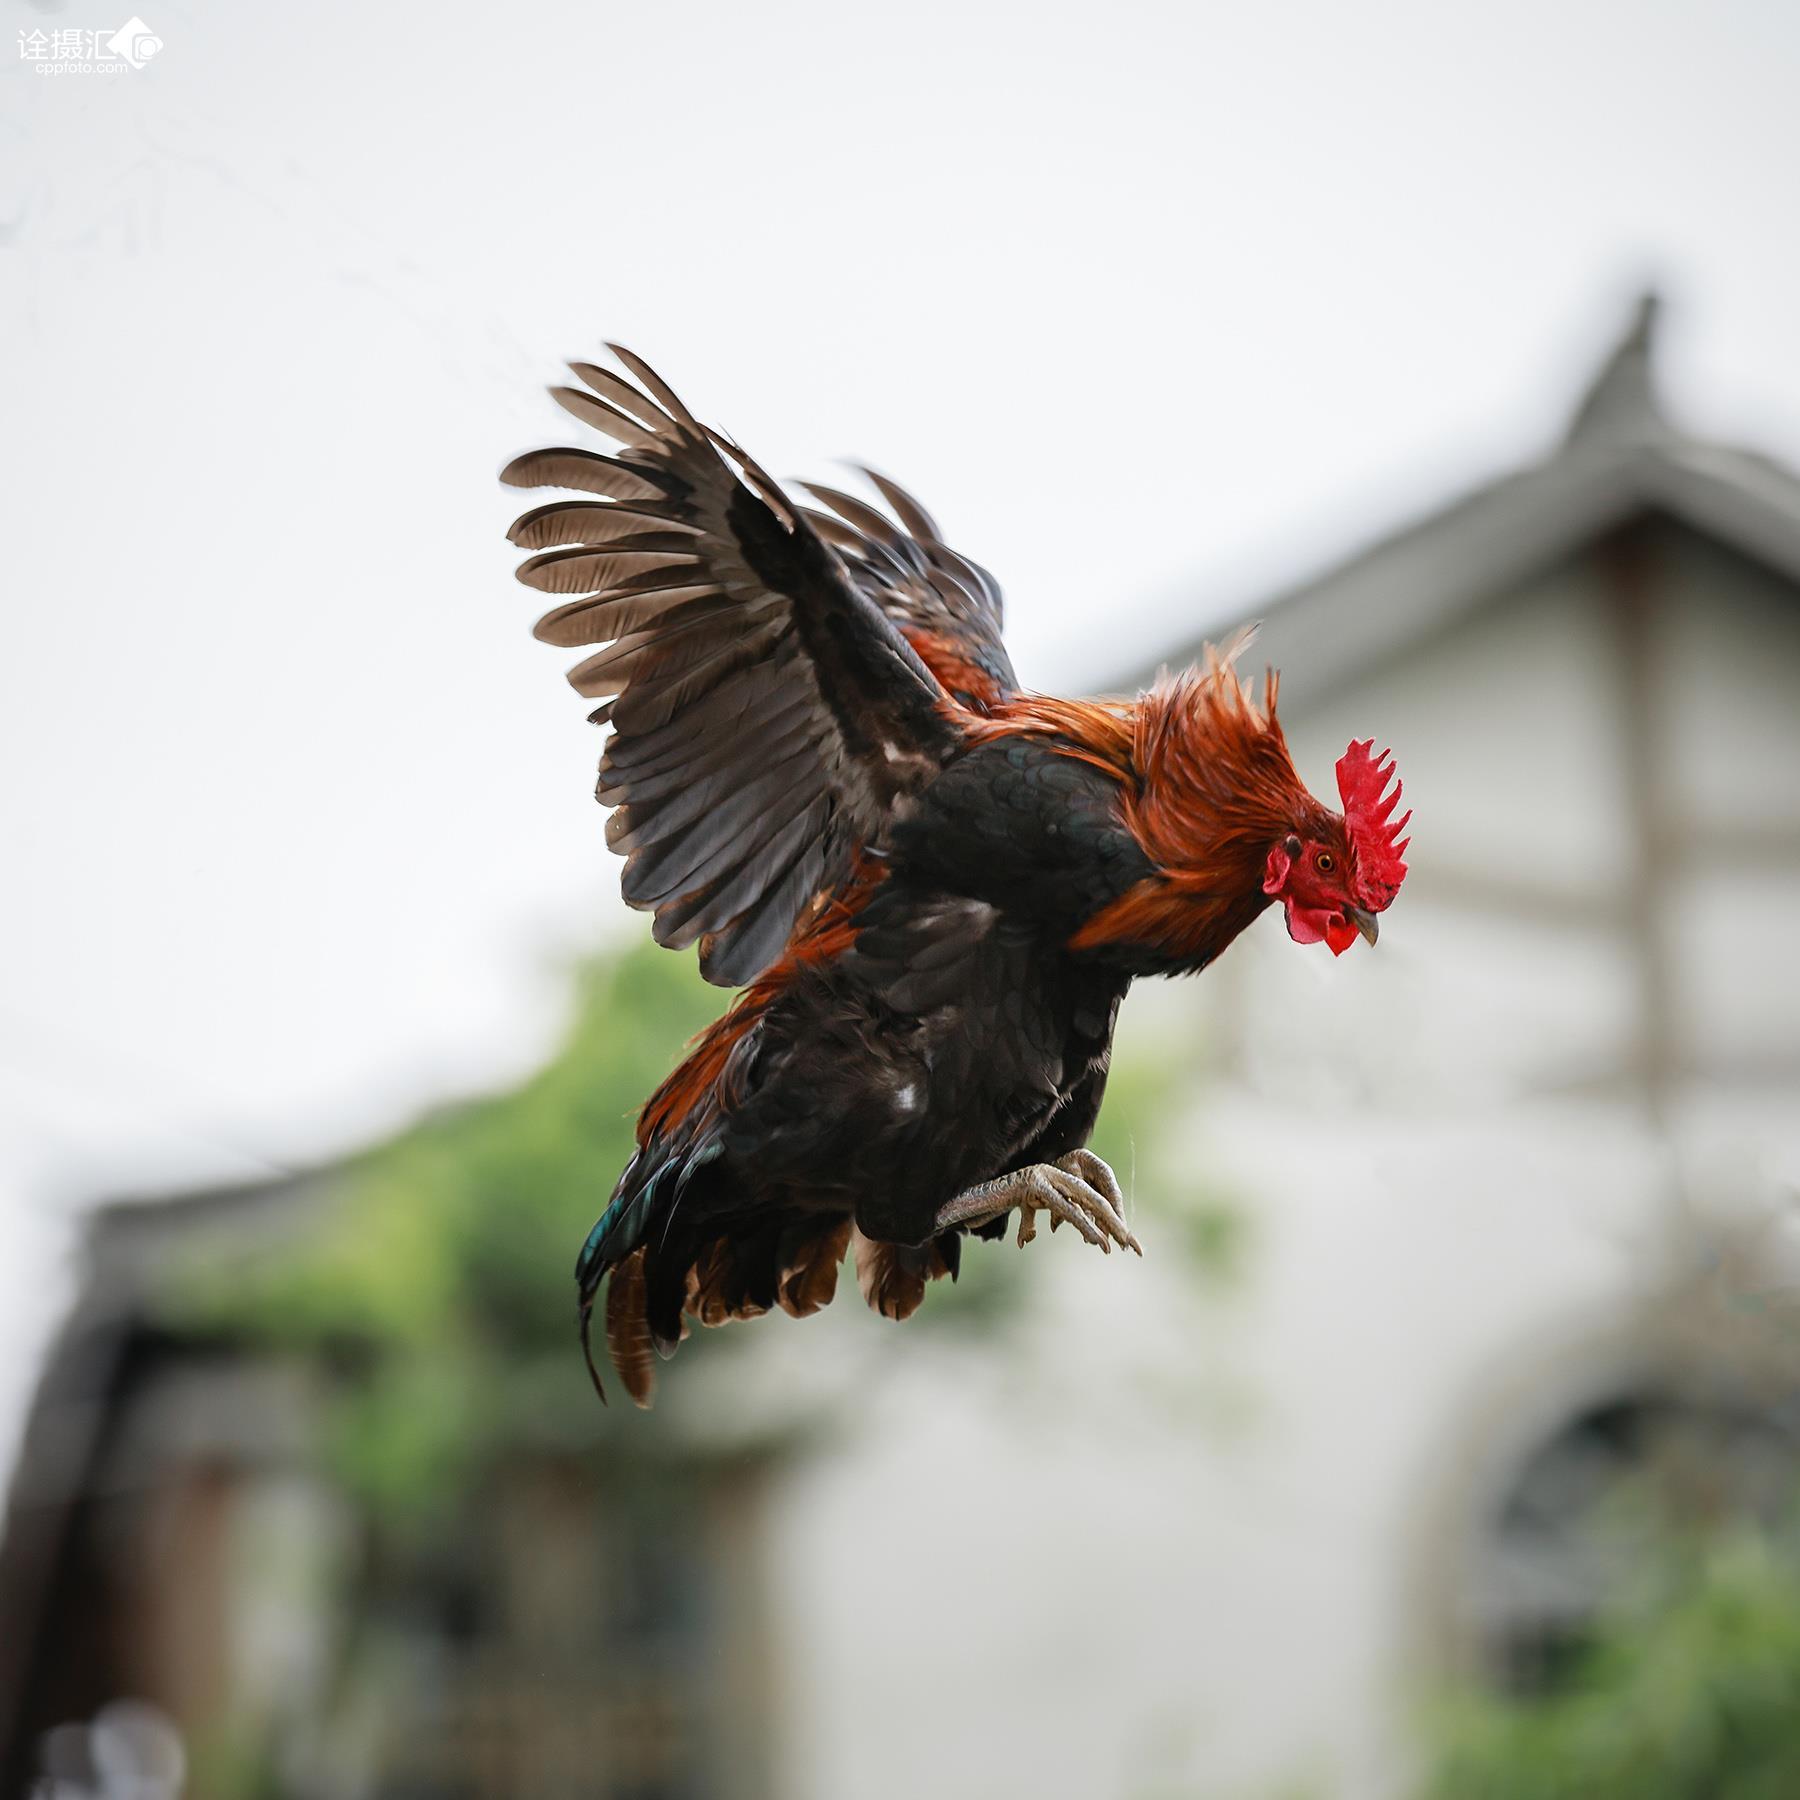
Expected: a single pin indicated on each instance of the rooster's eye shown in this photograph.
(1326, 862)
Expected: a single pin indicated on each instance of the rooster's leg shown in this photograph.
(1080, 1188)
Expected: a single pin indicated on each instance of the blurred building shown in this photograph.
(1521, 1191)
(178, 1539)
(1531, 1171)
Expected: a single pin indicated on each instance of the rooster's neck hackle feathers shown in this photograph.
(1201, 760)
(1098, 732)
(1214, 778)
(1207, 784)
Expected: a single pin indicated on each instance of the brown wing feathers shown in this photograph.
(764, 709)
(949, 608)
(774, 678)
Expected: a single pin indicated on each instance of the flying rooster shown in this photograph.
(932, 886)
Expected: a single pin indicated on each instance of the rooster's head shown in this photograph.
(1335, 878)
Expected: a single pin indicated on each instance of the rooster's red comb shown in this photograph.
(1361, 776)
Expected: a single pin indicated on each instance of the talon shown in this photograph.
(1094, 1171)
(1080, 1190)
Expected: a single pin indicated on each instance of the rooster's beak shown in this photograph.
(1363, 921)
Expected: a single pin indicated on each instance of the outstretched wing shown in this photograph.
(949, 608)
(765, 711)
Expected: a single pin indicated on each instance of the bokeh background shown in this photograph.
(1446, 1441)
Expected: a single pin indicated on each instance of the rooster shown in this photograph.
(932, 886)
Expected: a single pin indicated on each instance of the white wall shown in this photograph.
(1182, 1540)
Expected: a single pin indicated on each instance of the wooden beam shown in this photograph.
(1771, 1072)
(1511, 898)
(1631, 566)
(1765, 848)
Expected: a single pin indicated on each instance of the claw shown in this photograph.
(1079, 1189)
(1097, 1173)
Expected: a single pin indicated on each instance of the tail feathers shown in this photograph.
(671, 1253)
(669, 1262)
(716, 1291)
(810, 1254)
(789, 1260)
(628, 1329)
(642, 1209)
(893, 1276)
(666, 1268)
(629, 1338)
(649, 1188)
(643, 1314)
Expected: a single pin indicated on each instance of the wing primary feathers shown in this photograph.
(649, 705)
(767, 711)
(583, 571)
(604, 417)
(950, 607)
(684, 670)
(619, 392)
(597, 618)
(714, 909)
(833, 530)
(649, 822)
(760, 868)
(762, 483)
(679, 648)
(759, 934)
(663, 762)
(860, 514)
(660, 871)
(906, 509)
(593, 522)
(723, 714)
(589, 472)
(784, 732)
(655, 385)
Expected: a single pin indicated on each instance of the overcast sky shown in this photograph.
(1157, 306)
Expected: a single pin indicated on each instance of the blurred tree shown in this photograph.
(436, 1290)
(1689, 1688)
(1149, 1082)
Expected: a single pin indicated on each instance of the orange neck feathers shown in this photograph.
(1215, 787)
(1215, 783)
(1207, 785)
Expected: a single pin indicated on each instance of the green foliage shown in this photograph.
(1690, 1688)
(1143, 1091)
(439, 1284)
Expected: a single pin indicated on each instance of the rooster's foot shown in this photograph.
(1080, 1189)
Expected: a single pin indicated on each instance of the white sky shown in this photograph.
(1155, 305)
